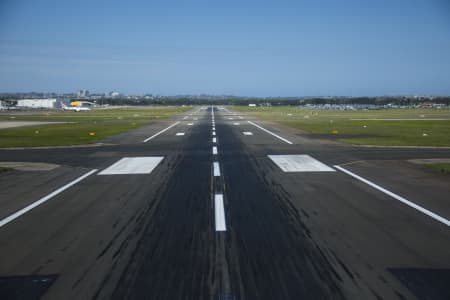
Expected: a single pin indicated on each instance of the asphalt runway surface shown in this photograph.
(215, 204)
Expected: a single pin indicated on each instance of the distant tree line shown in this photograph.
(400, 101)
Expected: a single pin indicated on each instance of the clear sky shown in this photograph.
(248, 48)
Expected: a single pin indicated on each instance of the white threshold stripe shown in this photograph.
(214, 150)
(162, 131)
(216, 168)
(397, 197)
(44, 199)
(270, 132)
(219, 213)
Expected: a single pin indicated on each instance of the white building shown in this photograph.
(37, 103)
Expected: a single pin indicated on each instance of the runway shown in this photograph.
(214, 204)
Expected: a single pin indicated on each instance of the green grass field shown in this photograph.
(394, 127)
(442, 167)
(87, 127)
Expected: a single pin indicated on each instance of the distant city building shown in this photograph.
(252, 105)
(114, 94)
(83, 94)
(37, 103)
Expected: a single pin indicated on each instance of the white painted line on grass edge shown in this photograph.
(216, 167)
(270, 132)
(397, 197)
(44, 199)
(162, 131)
(214, 150)
(219, 213)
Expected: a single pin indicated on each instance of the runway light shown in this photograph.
(92, 133)
(424, 134)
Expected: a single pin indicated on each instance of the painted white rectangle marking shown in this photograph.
(190, 124)
(214, 150)
(185, 118)
(270, 132)
(397, 197)
(213, 133)
(219, 213)
(216, 168)
(26, 209)
(180, 134)
(299, 163)
(214, 128)
(236, 123)
(162, 131)
(247, 133)
(214, 140)
(230, 118)
(133, 165)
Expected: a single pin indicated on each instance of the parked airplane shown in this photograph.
(74, 108)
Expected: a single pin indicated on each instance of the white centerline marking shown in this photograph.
(216, 167)
(214, 150)
(214, 140)
(219, 213)
(44, 199)
(213, 133)
(247, 133)
(397, 197)
(270, 132)
(162, 131)
(180, 133)
(190, 124)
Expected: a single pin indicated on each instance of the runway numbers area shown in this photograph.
(299, 163)
(133, 165)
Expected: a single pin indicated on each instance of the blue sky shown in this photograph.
(251, 48)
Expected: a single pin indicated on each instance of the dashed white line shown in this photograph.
(236, 123)
(24, 210)
(247, 133)
(214, 150)
(216, 168)
(162, 131)
(219, 213)
(180, 134)
(190, 124)
(213, 133)
(214, 140)
(397, 197)
(270, 132)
